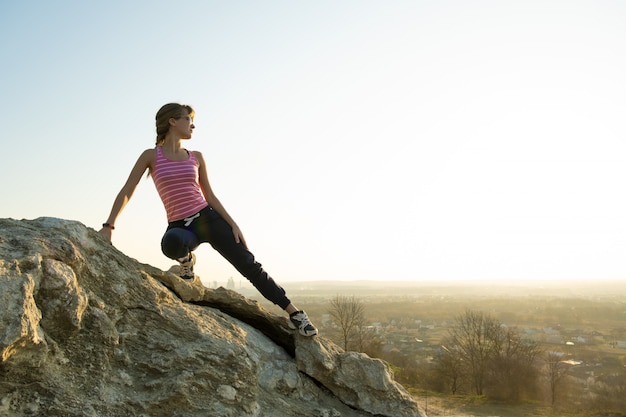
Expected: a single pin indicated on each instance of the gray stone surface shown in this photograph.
(87, 331)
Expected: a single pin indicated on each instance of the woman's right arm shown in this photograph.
(144, 162)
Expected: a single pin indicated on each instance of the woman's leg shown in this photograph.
(211, 228)
(177, 243)
(221, 237)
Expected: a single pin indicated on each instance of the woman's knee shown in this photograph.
(175, 243)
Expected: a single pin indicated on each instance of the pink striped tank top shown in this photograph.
(178, 185)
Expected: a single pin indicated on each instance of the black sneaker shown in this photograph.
(299, 320)
(186, 268)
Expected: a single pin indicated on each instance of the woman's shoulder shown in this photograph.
(197, 154)
(150, 152)
(149, 155)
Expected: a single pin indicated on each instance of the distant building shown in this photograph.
(529, 332)
(553, 338)
(231, 284)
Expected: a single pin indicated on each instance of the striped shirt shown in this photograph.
(178, 185)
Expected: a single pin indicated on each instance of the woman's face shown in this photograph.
(183, 126)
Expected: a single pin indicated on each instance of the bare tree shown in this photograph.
(512, 369)
(557, 370)
(358, 337)
(349, 313)
(474, 336)
(487, 356)
(449, 368)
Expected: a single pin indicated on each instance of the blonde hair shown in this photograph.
(167, 112)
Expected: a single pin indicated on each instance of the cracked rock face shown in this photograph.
(87, 331)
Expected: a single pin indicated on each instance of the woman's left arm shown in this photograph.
(214, 202)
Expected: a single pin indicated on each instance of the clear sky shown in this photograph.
(378, 140)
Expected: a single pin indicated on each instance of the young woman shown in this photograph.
(194, 213)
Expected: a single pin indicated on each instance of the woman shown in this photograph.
(194, 213)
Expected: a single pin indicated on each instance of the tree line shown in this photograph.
(480, 356)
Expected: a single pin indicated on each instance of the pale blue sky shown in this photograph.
(396, 140)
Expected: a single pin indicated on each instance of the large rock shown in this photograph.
(87, 331)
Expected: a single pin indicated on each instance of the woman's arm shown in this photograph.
(214, 202)
(123, 197)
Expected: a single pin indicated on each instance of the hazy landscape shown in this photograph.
(578, 331)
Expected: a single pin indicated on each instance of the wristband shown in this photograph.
(109, 225)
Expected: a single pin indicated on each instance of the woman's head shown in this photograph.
(165, 114)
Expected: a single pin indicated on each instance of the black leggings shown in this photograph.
(184, 236)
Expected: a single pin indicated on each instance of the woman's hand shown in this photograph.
(239, 236)
(107, 232)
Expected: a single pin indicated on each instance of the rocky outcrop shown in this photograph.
(87, 331)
